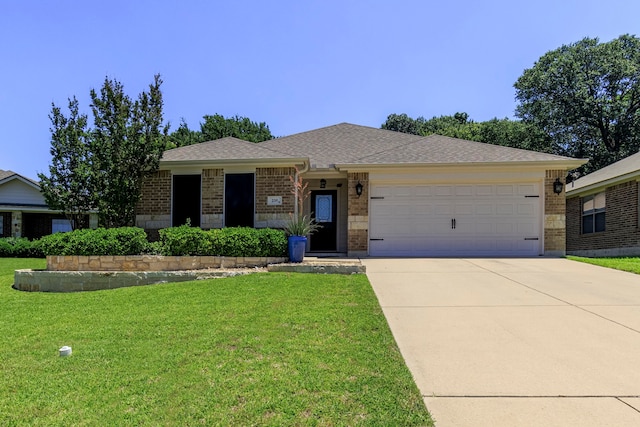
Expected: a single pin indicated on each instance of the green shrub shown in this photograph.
(232, 241)
(19, 247)
(101, 241)
(184, 240)
(272, 242)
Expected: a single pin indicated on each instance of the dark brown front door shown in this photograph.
(324, 211)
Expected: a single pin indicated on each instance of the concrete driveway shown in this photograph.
(516, 342)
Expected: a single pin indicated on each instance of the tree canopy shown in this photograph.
(509, 133)
(67, 188)
(102, 168)
(586, 97)
(217, 126)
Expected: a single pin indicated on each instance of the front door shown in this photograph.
(238, 200)
(324, 210)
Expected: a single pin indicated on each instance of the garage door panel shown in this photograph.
(527, 189)
(484, 209)
(444, 190)
(463, 209)
(464, 190)
(504, 190)
(485, 190)
(526, 209)
(490, 220)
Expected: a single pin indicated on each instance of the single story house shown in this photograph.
(602, 211)
(23, 211)
(375, 192)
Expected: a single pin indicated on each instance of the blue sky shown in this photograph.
(296, 65)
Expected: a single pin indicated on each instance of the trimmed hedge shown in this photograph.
(19, 247)
(233, 241)
(101, 241)
(176, 241)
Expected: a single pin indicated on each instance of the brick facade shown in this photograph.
(621, 235)
(212, 198)
(273, 182)
(154, 208)
(153, 211)
(358, 215)
(554, 215)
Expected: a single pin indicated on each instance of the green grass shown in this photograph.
(631, 264)
(264, 349)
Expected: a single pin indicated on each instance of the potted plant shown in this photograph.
(299, 226)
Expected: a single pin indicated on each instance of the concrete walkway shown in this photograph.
(516, 342)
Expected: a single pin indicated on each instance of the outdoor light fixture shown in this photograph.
(557, 186)
(359, 189)
(323, 183)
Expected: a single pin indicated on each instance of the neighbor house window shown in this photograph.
(60, 226)
(593, 213)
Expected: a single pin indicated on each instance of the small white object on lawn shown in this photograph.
(65, 351)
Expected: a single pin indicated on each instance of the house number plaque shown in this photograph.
(274, 200)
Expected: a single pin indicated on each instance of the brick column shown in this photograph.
(358, 215)
(554, 215)
(153, 211)
(212, 197)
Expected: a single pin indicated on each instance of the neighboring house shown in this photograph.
(23, 211)
(375, 192)
(602, 211)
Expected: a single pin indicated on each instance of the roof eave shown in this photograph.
(21, 179)
(603, 184)
(233, 162)
(567, 164)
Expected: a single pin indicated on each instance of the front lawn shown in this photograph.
(631, 264)
(264, 349)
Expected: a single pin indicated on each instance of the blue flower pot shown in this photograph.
(297, 246)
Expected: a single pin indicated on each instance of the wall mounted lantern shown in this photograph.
(359, 189)
(323, 183)
(557, 186)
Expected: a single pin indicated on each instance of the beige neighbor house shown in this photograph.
(23, 211)
(375, 192)
(602, 211)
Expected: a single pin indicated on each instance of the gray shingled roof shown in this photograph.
(348, 144)
(5, 174)
(343, 143)
(228, 148)
(437, 149)
(618, 171)
(8, 174)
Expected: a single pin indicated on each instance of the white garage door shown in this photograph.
(455, 220)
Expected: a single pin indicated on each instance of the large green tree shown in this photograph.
(68, 187)
(103, 167)
(127, 143)
(217, 126)
(586, 97)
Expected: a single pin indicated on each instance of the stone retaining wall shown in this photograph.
(149, 263)
(77, 281)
